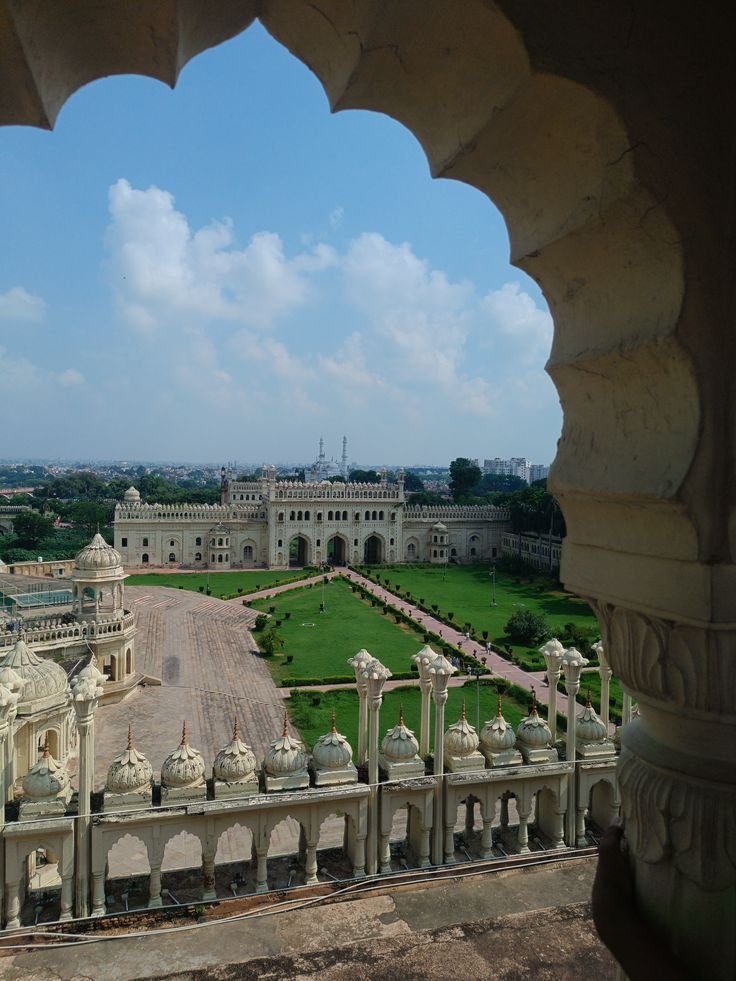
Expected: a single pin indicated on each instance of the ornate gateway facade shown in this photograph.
(274, 523)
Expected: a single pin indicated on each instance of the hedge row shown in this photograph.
(342, 679)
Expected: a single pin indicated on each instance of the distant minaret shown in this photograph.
(345, 457)
(321, 452)
(224, 486)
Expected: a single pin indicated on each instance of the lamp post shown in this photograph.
(572, 664)
(440, 671)
(552, 653)
(492, 574)
(423, 660)
(375, 676)
(357, 663)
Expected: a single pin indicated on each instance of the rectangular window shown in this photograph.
(391, 541)
(124, 542)
(145, 542)
(318, 542)
(280, 544)
(355, 541)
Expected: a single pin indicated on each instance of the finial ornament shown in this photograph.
(498, 707)
(401, 713)
(45, 755)
(184, 734)
(286, 723)
(588, 703)
(534, 702)
(236, 729)
(462, 712)
(130, 736)
(333, 727)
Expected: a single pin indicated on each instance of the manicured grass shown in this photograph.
(250, 580)
(466, 591)
(313, 721)
(321, 643)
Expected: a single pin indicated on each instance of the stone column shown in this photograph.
(12, 890)
(14, 684)
(440, 671)
(310, 862)
(154, 889)
(486, 840)
(423, 660)
(357, 663)
(359, 857)
(262, 868)
(523, 837)
(605, 673)
(85, 698)
(8, 701)
(552, 653)
(209, 891)
(572, 664)
(67, 895)
(98, 894)
(375, 675)
(469, 815)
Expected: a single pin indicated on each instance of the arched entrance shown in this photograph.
(298, 551)
(337, 550)
(373, 550)
(249, 555)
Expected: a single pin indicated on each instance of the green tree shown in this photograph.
(464, 476)
(527, 627)
(412, 482)
(31, 528)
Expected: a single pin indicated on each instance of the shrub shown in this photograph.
(201, 589)
(272, 609)
(450, 615)
(484, 634)
(527, 627)
(261, 622)
(287, 614)
(289, 658)
(209, 591)
(240, 589)
(435, 608)
(316, 699)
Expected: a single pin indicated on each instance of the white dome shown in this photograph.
(92, 672)
(533, 732)
(332, 751)
(184, 767)
(497, 735)
(399, 743)
(284, 755)
(98, 556)
(46, 779)
(44, 682)
(589, 727)
(130, 772)
(132, 495)
(236, 762)
(461, 738)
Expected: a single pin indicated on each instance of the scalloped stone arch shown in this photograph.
(602, 136)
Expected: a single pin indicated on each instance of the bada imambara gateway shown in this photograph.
(273, 524)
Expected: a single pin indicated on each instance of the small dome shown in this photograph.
(10, 678)
(497, 735)
(130, 772)
(92, 672)
(184, 767)
(132, 495)
(332, 751)
(46, 779)
(399, 743)
(44, 682)
(533, 732)
(461, 739)
(236, 762)
(97, 556)
(589, 727)
(284, 755)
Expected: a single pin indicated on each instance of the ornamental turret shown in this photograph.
(182, 773)
(461, 746)
(46, 788)
(234, 769)
(534, 739)
(498, 742)
(285, 763)
(399, 756)
(332, 759)
(129, 780)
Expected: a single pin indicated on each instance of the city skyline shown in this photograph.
(192, 276)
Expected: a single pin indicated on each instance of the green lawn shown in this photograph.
(467, 592)
(227, 583)
(321, 643)
(313, 721)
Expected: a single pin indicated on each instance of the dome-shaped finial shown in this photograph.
(184, 734)
(130, 736)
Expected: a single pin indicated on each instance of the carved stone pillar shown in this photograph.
(440, 671)
(677, 778)
(154, 889)
(357, 663)
(423, 660)
(374, 675)
(86, 693)
(262, 869)
(310, 862)
(98, 894)
(209, 891)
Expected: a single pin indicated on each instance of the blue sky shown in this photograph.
(227, 271)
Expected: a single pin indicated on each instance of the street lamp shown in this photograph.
(492, 574)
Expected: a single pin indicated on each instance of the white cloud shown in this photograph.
(349, 366)
(18, 304)
(515, 314)
(336, 216)
(271, 354)
(70, 377)
(166, 274)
